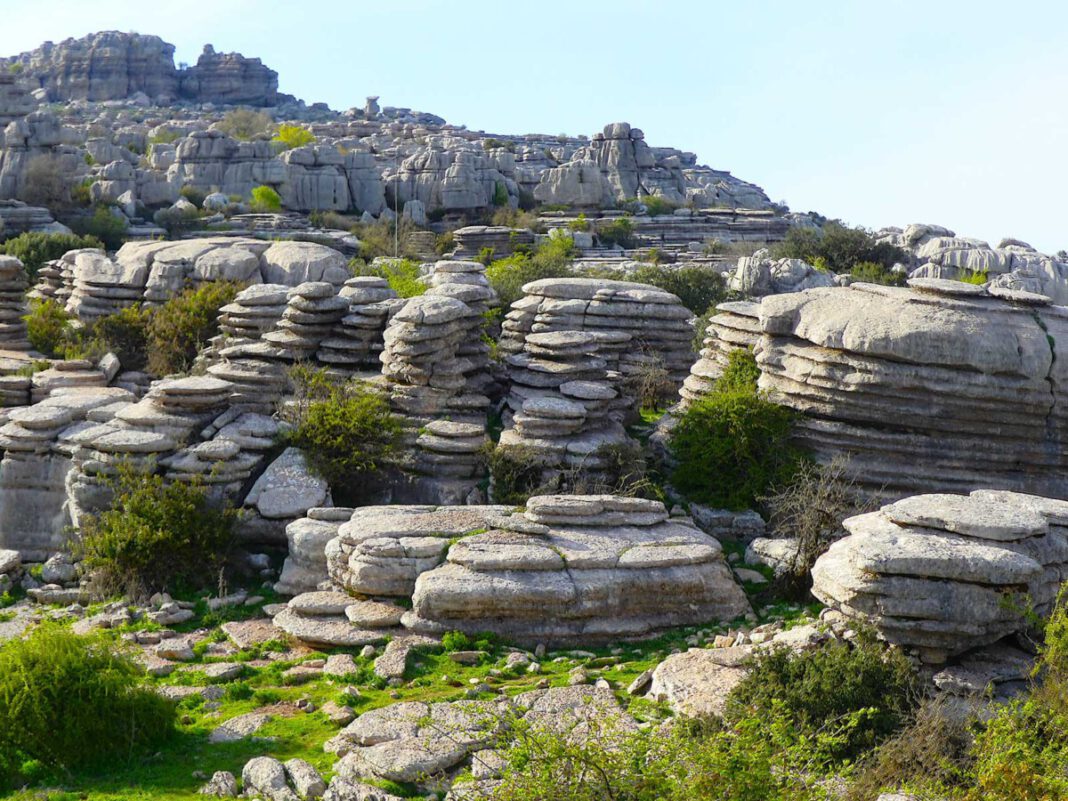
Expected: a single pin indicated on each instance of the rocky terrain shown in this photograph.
(465, 462)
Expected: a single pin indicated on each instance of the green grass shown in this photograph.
(432, 676)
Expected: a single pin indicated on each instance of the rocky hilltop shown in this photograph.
(112, 65)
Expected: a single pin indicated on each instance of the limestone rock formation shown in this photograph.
(759, 275)
(572, 569)
(943, 386)
(946, 573)
(229, 78)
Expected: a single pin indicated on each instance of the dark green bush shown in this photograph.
(176, 220)
(48, 327)
(863, 683)
(125, 333)
(619, 231)
(245, 123)
(102, 225)
(500, 195)
(698, 287)
(34, 249)
(179, 328)
(156, 536)
(516, 472)
(840, 246)
(347, 432)
(70, 703)
(552, 259)
(874, 273)
(733, 446)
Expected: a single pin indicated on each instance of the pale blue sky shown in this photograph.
(881, 113)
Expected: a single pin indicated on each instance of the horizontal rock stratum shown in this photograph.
(943, 386)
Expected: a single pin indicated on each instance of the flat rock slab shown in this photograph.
(330, 632)
(239, 728)
(696, 683)
(247, 633)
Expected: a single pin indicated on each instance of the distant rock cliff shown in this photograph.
(111, 65)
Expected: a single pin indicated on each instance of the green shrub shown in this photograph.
(347, 432)
(70, 703)
(698, 287)
(864, 682)
(103, 225)
(265, 199)
(874, 273)
(34, 249)
(500, 194)
(48, 327)
(840, 246)
(516, 473)
(245, 123)
(656, 205)
(177, 330)
(552, 259)
(126, 334)
(177, 220)
(741, 372)
(977, 277)
(732, 446)
(580, 223)
(193, 194)
(156, 536)
(619, 231)
(402, 275)
(291, 136)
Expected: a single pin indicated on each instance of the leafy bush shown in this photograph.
(34, 249)
(580, 223)
(49, 327)
(103, 225)
(874, 273)
(840, 246)
(193, 194)
(178, 329)
(500, 194)
(245, 123)
(156, 536)
(265, 199)
(126, 334)
(515, 473)
(347, 432)
(385, 238)
(402, 275)
(698, 287)
(977, 277)
(291, 136)
(515, 218)
(619, 232)
(732, 446)
(552, 259)
(176, 220)
(871, 686)
(656, 205)
(46, 183)
(70, 703)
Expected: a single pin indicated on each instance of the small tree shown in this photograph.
(179, 328)
(291, 136)
(48, 327)
(246, 123)
(265, 200)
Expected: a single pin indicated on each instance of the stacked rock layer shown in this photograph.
(946, 573)
(570, 569)
(737, 326)
(943, 386)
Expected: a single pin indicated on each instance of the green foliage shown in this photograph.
(452, 641)
(246, 123)
(656, 205)
(619, 232)
(516, 473)
(977, 277)
(515, 218)
(500, 194)
(732, 446)
(48, 326)
(291, 136)
(70, 703)
(156, 536)
(176, 220)
(178, 329)
(864, 682)
(752, 760)
(741, 372)
(552, 259)
(193, 194)
(445, 243)
(34, 249)
(385, 238)
(580, 223)
(698, 287)
(840, 246)
(874, 273)
(402, 275)
(265, 199)
(103, 225)
(164, 137)
(347, 432)
(126, 334)
(46, 182)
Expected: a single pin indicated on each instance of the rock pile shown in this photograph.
(570, 569)
(305, 566)
(946, 573)
(253, 312)
(656, 321)
(355, 344)
(736, 326)
(13, 304)
(312, 310)
(759, 275)
(909, 383)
